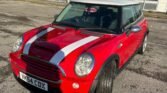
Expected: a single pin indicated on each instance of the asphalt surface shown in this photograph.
(144, 74)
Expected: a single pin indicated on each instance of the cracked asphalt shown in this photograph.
(144, 74)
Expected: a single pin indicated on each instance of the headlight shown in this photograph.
(17, 44)
(84, 65)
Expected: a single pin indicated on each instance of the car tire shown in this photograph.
(105, 80)
(144, 45)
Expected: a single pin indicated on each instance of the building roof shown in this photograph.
(108, 2)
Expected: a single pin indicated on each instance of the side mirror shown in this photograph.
(135, 29)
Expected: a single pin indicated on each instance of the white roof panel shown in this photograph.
(108, 2)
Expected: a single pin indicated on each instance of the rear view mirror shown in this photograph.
(135, 28)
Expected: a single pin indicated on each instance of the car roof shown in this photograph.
(108, 2)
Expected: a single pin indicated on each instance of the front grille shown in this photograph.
(41, 68)
(39, 63)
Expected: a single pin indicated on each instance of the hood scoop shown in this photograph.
(43, 50)
(43, 45)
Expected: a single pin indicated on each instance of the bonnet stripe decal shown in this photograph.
(30, 41)
(61, 54)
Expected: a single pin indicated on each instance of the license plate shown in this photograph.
(34, 82)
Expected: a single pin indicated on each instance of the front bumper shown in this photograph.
(63, 85)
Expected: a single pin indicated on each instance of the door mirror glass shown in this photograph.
(135, 28)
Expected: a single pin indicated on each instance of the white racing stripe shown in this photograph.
(30, 41)
(61, 54)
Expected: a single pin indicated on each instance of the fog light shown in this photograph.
(75, 85)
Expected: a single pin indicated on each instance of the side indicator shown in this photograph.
(120, 45)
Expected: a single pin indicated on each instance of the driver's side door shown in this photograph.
(129, 39)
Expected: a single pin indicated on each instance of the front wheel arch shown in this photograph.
(114, 57)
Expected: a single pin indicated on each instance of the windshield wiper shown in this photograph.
(67, 24)
(99, 30)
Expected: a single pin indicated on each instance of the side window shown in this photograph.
(128, 15)
(138, 12)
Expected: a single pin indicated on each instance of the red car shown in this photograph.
(83, 49)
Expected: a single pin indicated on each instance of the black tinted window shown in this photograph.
(138, 12)
(128, 15)
(90, 16)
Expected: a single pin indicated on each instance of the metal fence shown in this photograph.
(149, 4)
(154, 5)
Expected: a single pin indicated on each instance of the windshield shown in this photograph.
(89, 16)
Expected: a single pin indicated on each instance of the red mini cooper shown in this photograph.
(83, 49)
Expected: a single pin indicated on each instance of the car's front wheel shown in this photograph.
(144, 45)
(105, 82)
